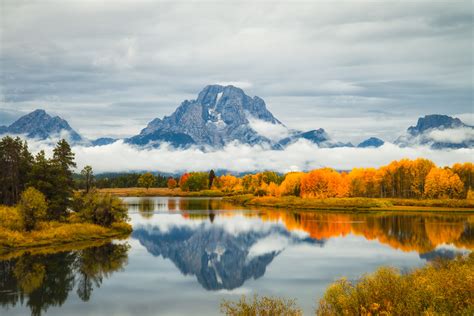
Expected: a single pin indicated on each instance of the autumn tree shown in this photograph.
(443, 183)
(146, 180)
(171, 183)
(364, 182)
(273, 189)
(324, 183)
(291, 184)
(465, 171)
(32, 208)
(183, 182)
(228, 183)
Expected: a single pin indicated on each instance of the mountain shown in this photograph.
(317, 136)
(40, 125)
(371, 142)
(102, 141)
(219, 115)
(438, 132)
(434, 121)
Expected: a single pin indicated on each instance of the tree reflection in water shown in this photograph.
(45, 280)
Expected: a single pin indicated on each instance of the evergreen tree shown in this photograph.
(62, 162)
(15, 165)
(88, 178)
(212, 176)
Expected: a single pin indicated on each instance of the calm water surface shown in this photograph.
(186, 255)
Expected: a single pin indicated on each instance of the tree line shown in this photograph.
(121, 180)
(418, 178)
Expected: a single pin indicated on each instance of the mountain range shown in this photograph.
(224, 114)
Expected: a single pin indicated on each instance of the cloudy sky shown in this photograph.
(355, 68)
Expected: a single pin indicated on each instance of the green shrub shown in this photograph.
(100, 209)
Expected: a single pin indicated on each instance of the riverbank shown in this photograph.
(354, 204)
(52, 234)
(124, 192)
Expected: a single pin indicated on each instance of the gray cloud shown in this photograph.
(357, 69)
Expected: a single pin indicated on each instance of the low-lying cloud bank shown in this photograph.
(302, 155)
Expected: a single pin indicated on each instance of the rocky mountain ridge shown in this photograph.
(224, 114)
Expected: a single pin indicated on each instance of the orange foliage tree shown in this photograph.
(183, 182)
(324, 183)
(364, 182)
(171, 183)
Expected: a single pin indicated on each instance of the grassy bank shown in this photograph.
(444, 287)
(51, 234)
(162, 192)
(357, 204)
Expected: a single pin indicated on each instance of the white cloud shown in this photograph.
(239, 84)
(452, 135)
(273, 132)
(301, 155)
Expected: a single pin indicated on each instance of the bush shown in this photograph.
(32, 208)
(10, 219)
(100, 209)
(442, 288)
(264, 306)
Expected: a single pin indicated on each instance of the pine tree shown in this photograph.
(62, 162)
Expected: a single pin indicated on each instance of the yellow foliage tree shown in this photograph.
(291, 185)
(228, 183)
(443, 183)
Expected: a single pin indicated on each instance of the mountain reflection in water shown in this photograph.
(223, 248)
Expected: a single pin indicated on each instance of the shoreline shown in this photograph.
(355, 204)
(60, 235)
(142, 192)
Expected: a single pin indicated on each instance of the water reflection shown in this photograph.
(220, 256)
(206, 250)
(45, 280)
(223, 249)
